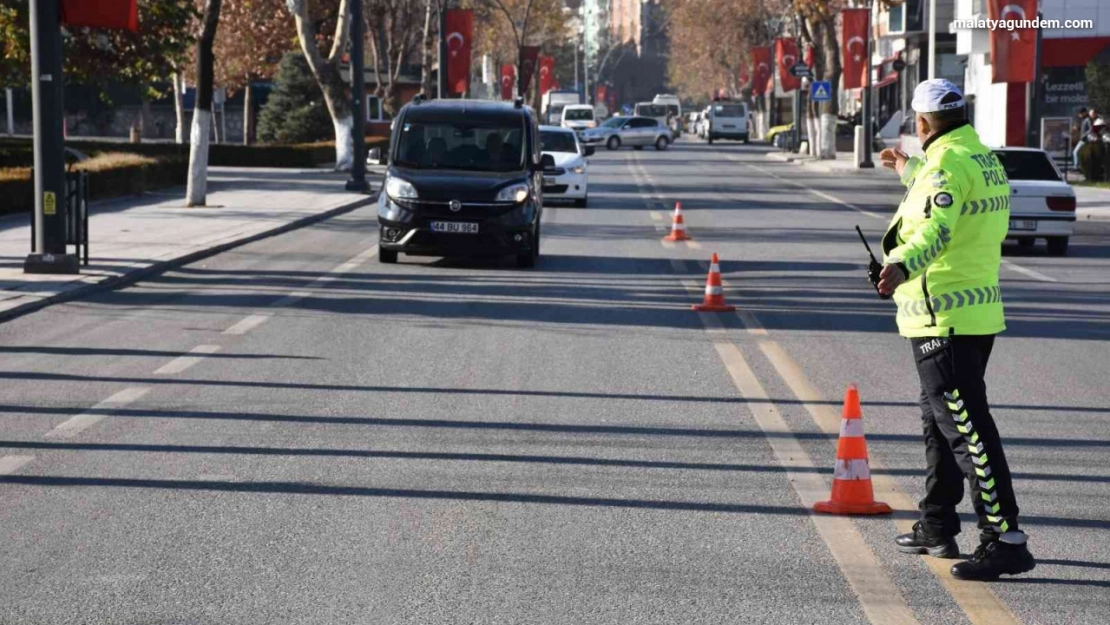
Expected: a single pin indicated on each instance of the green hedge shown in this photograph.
(1094, 161)
(18, 152)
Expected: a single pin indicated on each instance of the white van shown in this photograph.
(727, 120)
(578, 117)
(553, 102)
(674, 107)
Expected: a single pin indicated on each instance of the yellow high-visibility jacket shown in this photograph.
(947, 238)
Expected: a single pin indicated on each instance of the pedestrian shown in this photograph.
(942, 256)
(1084, 129)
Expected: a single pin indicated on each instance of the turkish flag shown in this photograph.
(811, 59)
(122, 14)
(853, 46)
(745, 76)
(507, 73)
(460, 35)
(786, 55)
(603, 94)
(1013, 52)
(547, 73)
(761, 70)
(529, 56)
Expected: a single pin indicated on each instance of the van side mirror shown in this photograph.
(588, 150)
(547, 162)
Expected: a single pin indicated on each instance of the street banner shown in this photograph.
(603, 94)
(1013, 52)
(853, 51)
(786, 55)
(460, 35)
(507, 72)
(810, 56)
(529, 56)
(547, 73)
(761, 70)
(123, 14)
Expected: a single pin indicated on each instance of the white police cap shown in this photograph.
(935, 95)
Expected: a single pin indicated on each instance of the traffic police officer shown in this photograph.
(942, 254)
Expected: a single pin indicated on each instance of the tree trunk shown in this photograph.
(179, 106)
(327, 75)
(428, 52)
(831, 109)
(196, 189)
(248, 114)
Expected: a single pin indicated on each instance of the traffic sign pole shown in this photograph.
(49, 252)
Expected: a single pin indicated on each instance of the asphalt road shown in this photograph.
(292, 433)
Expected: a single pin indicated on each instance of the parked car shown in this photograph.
(1042, 204)
(465, 178)
(727, 120)
(568, 178)
(634, 131)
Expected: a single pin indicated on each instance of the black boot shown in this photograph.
(993, 559)
(921, 541)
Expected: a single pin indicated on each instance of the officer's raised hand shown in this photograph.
(894, 158)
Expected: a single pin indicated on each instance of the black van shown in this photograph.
(464, 178)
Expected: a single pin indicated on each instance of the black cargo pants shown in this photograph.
(961, 440)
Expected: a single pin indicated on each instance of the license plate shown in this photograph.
(729, 126)
(1023, 224)
(455, 227)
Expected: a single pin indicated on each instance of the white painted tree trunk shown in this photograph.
(828, 136)
(179, 106)
(10, 108)
(811, 132)
(344, 143)
(196, 189)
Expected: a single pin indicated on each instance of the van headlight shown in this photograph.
(400, 189)
(579, 169)
(513, 193)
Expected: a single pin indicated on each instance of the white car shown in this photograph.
(727, 120)
(1042, 204)
(578, 117)
(568, 180)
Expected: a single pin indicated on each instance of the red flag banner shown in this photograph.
(1013, 52)
(507, 73)
(123, 14)
(460, 36)
(786, 55)
(547, 73)
(603, 94)
(853, 46)
(529, 56)
(811, 58)
(761, 70)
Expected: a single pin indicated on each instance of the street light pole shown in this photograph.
(49, 252)
(358, 92)
(868, 138)
(441, 76)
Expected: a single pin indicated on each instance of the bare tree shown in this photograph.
(393, 27)
(196, 188)
(326, 71)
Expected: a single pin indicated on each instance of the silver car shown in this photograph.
(634, 131)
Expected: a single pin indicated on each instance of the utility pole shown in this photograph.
(357, 181)
(932, 39)
(797, 94)
(868, 136)
(49, 252)
(1036, 92)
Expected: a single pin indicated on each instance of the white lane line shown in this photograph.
(332, 275)
(247, 324)
(1036, 275)
(183, 362)
(291, 298)
(11, 464)
(692, 244)
(657, 216)
(78, 423)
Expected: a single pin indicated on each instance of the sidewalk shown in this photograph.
(132, 237)
(1092, 203)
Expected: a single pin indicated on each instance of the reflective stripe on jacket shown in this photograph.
(947, 238)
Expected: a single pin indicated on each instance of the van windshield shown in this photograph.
(652, 110)
(465, 145)
(576, 115)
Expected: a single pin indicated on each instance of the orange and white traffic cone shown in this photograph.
(714, 294)
(851, 491)
(678, 226)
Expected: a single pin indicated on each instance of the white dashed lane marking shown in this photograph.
(11, 464)
(247, 324)
(181, 363)
(77, 424)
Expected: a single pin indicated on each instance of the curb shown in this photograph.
(131, 277)
(817, 165)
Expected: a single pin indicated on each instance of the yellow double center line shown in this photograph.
(879, 597)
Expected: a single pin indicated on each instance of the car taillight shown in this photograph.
(1061, 203)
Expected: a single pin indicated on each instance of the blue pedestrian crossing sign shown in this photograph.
(820, 91)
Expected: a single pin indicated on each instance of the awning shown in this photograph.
(1072, 51)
